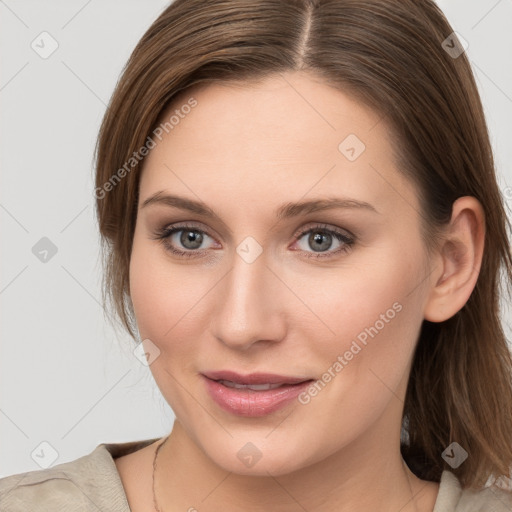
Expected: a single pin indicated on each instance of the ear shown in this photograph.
(458, 260)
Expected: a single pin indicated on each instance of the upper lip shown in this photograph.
(254, 378)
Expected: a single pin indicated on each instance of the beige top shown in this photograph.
(92, 483)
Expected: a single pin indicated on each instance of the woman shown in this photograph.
(301, 222)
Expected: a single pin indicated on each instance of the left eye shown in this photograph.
(321, 239)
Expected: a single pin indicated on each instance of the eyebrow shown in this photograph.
(286, 211)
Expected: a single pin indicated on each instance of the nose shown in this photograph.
(250, 305)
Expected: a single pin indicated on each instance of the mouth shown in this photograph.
(254, 395)
(254, 387)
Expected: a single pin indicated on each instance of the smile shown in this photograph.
(253, 395)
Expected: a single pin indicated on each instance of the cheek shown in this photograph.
(161, 293)
(172, 305)
(163, 300)
(146, 290)
(364, 299)
(376, 321)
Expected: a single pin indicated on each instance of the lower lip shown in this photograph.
(247, 402)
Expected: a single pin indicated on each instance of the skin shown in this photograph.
(245, 150)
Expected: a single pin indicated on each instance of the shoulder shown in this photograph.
(490, 499)
(44, 489)
(89, 483)
(452, 498)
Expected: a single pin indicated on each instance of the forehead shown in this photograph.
(287, 134)
(287, 107)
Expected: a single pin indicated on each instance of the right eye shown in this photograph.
(182, 240)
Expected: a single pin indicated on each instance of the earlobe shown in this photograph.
(460, 259)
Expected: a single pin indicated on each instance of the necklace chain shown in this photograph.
(165, 440)
(154, 470)
(410, 486)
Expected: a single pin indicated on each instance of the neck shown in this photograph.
(367, 475)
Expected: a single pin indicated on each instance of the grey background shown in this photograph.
(66, 378)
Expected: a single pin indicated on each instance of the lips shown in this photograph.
(256, 394)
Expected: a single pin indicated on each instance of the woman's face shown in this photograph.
(303, 259)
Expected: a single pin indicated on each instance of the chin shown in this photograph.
(254, 455)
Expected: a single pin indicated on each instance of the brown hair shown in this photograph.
(389, 55)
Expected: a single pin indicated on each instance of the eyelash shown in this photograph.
(163, 235)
